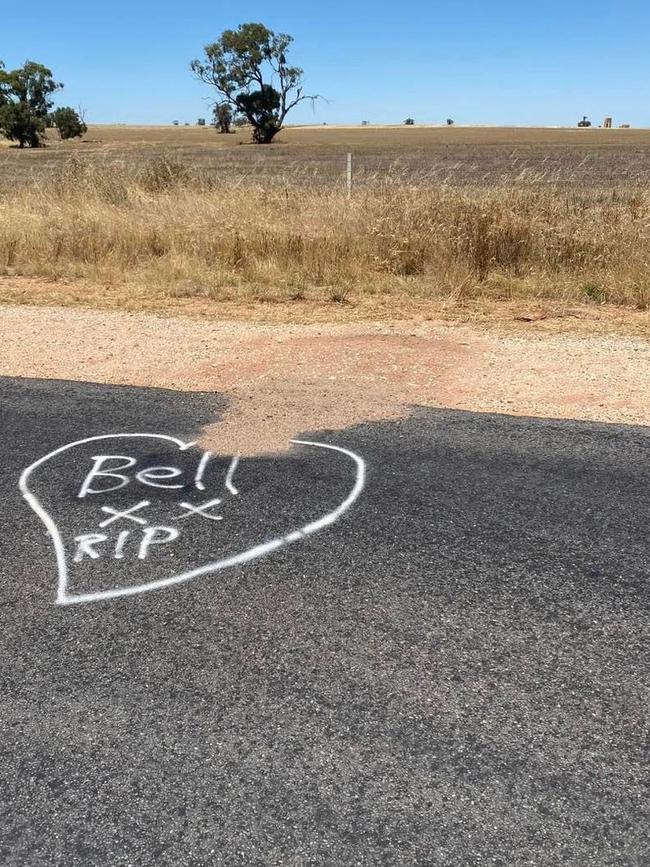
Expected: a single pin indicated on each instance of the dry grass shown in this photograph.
(163, 224)
(453, 156)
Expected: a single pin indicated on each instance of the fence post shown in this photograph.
(349, 175)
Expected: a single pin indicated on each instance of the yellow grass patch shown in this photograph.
(154, 217)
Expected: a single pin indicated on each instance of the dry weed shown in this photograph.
(186, 233)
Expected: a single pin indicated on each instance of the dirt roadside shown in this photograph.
(283, 379)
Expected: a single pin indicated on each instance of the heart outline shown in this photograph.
(257, 551)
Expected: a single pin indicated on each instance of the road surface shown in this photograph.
(425, 645)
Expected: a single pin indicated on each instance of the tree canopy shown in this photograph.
(68, 122)
(248, 68)
(223, 118)
(25, 102)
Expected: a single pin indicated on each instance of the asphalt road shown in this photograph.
(449, 668)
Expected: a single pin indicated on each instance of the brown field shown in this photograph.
(162, 216)
(424, 155)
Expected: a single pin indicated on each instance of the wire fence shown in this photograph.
(277, 164)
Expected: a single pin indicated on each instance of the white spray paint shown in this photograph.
(154, 476)
(156, 536)
(203, 463)
(127, 514)
(231, 472)
(121, 542)
(97, 471)
(201, 510)
(85, 543)
(86, 546)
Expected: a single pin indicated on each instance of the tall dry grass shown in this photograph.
(172, 228)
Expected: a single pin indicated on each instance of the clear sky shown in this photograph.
(545, 62)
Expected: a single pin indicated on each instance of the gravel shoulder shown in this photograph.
(282, 379)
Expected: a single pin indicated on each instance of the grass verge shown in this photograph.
(166, 230)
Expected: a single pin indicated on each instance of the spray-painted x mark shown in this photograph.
(201, 510)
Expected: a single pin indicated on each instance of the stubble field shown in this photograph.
(157, 216)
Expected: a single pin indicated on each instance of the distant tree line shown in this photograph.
(27, 107)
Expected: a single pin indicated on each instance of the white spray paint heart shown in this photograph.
(65, 597)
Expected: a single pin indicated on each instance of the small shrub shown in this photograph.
(162, 174)
(68, 123)
(594, 292)
(339, 296)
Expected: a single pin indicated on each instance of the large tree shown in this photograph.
(248, 68)
(25, 102)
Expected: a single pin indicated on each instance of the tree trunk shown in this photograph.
(264, 134)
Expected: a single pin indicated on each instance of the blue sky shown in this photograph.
(504, 62)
